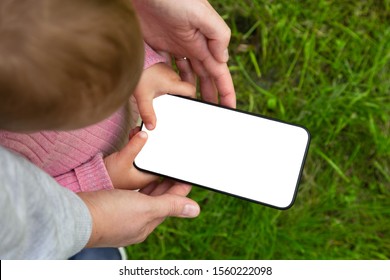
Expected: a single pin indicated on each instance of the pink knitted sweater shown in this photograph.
(75, 158)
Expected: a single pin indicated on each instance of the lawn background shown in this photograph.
(324, 65)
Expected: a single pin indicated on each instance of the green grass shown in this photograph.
(324, 65)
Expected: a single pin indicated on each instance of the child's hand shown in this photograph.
(157, 80)
(120, 166)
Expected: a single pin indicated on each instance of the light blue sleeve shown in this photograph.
(39, 219)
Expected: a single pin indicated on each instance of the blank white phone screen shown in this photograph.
(236, 153)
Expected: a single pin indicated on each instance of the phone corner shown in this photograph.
(288, 205)
(136, 166)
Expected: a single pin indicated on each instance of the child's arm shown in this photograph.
(152, 57)
(67, 156)
(90, 176)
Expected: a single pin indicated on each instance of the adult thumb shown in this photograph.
(169, 205)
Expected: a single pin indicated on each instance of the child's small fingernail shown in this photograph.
(149, 126)
(142, 134)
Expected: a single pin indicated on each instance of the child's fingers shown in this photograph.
(133, 147)
(134, 131)
(184, 89)
(145, 107)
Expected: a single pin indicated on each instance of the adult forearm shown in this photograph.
(39, 218)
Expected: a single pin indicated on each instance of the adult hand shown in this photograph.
(191, 29)
(123, 217)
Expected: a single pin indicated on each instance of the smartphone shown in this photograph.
(226, 150)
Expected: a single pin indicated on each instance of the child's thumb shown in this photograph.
(133, 147)
(184, 89)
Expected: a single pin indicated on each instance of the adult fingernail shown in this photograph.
(190, 211)
(226, 55)
(149, 126)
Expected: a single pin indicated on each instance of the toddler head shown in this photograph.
(66, 64)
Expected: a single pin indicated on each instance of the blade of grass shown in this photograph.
(332, 164)
(255, 63)
(250, 80)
